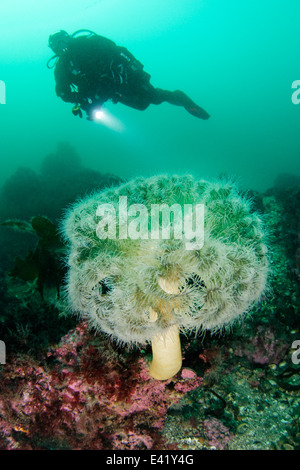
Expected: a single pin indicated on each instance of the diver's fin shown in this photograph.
(197, 111)
(181, 99)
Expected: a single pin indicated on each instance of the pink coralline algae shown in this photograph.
(217, 434)
(85, 395)
(188, 374)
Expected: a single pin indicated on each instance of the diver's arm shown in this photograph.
(63, 82)
(66, 94)
(128, 58)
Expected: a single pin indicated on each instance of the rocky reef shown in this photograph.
(65, 387)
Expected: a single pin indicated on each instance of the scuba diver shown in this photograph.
(91, 69)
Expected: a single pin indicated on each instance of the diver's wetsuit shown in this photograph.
(94, 69)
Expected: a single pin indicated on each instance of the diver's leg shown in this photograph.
(136, 101)
(178, 98)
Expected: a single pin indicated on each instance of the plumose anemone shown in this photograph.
(149, 288)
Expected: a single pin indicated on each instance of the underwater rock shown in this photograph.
(27, 193)
(42, 264)
(88, 396)
(264, 347)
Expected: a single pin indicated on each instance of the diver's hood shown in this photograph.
(59, 42)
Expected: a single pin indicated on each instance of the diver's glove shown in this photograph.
(76, 110)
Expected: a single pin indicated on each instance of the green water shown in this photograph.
(238, 60)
